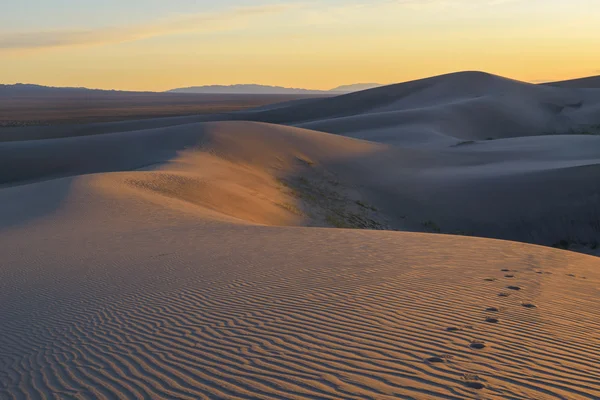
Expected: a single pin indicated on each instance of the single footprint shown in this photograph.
(472, 381)
(436, 359)
(509, 276)
(492, 309)
(571, 275)
(514, 287)
(503, 294)
(490, 279)
(476, 344)
(491, 320)
(505, 270)
(453, 329)
(529, 305)
(475, 385)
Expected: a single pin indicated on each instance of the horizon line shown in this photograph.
(534, 81)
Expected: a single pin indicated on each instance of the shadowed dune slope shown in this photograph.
(444, 110)
(591, 82)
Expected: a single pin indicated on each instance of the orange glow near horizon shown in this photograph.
(309, 47)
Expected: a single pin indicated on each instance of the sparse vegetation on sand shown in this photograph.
(431, 226)
(291, 208)
(330, 202)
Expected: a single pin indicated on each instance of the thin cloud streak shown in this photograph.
(226, 20)
(308, 11)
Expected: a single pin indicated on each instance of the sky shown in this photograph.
(163, 44)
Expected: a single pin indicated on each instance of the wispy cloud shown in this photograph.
(208, 22)
(437, 4)
(306, 13)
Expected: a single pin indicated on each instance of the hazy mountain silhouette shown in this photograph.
(24, 89)
(245, 89)
(266, 89)
(357, 87)
(33, 89)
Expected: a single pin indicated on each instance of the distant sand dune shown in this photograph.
(446, 109)
(435, 111)
(592, 82)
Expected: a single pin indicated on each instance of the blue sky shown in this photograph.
(48, 14)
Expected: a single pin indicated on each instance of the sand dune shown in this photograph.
(240, 169)
(446, 109)
(183, 258)
(438, 111)
(489, 188)
(122, 297)
(592, 82)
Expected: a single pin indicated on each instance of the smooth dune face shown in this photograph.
(186, 260)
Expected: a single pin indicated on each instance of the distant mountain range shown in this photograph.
(26, 89)
(357, 87)
(244, 89)
(32, 89)
(266, 89)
